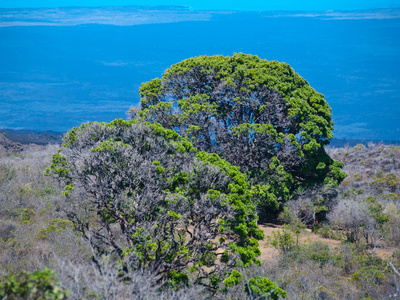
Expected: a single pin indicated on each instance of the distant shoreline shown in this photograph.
(27, 136)
(340, 143)
(141, 15)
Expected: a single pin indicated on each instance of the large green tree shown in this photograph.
(259, 115)
(141, 194)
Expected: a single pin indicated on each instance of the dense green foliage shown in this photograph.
(265, 288)
(259, 115)
(36, 285)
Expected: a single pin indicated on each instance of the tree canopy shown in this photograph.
(259, 115)
(141, 193)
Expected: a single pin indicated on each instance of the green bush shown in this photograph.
(261, 287)
(389, 181)
(283, 240)
(316, 251)
(368, 278)
(259, 115)
(327, 232)
(37, 285)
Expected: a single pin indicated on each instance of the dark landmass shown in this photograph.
(26, 137)
(340, 143)
(10, 145)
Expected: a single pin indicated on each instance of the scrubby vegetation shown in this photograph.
(138, 210)
(35, 233)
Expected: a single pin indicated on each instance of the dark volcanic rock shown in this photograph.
(10, 145)
(27, 137)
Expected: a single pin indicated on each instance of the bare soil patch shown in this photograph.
(269, 253)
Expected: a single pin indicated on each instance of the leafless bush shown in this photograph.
(84, 280)
(27, 199)
(392, 227)
(310, 206)
(353, 217)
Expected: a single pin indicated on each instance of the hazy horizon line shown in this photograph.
(187, 7)
(142, 15)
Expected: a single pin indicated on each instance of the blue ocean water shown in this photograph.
(56, 77)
